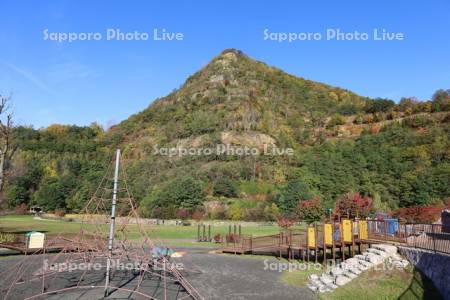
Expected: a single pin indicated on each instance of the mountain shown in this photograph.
(236, 93)
(340, 142)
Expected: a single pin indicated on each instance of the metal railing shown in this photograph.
(433, 237)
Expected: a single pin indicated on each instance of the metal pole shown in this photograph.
(198, 233)
(112, 223)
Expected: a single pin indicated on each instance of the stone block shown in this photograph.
(326, 279)
(335, 271)
(355, 270)
(324, 289)
(313, 276)
(332, 286)
(342, 280)
(375, 259)
(312, 287)
(350, 275)
(351, 261)
(389, 249)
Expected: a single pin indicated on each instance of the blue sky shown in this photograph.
(106, 81)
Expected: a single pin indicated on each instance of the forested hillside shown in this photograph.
(397, 154)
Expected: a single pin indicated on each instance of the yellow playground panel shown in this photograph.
(347, 231)
(311, 237)
(328, 234)
(363, 230)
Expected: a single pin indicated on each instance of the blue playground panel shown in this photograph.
(337, 235)
(378, 227)
(392, 227)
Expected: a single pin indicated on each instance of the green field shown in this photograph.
(395, 284)
(170, 234)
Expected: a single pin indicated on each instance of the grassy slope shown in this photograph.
(376, 285)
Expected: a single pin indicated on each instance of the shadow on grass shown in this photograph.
(420, 287)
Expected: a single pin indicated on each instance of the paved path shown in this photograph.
(215, 276)
(238, 277)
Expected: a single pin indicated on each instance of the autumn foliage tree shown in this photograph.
(286, 222)
(354, 205)
(310, 211)
(419, 213)
(198, 215)
(183, 213)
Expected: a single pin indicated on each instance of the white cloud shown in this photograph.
(68, 71)
(30, 77)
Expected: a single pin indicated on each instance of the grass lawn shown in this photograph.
(170, 234)
(396, 284)
(299, 277)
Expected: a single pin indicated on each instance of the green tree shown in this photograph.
(379, 105)
(294, 191)
(224, 187)
(17, 194)
(236, 212)
(50, 195)
(183, 193)
(271, 212)
(441, 100)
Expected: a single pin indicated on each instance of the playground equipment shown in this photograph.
(332, 240)
(201, 233)
(204, 232)
(104, 241)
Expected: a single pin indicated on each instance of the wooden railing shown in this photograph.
(434, 237)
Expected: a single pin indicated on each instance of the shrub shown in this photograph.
(419, 214)
(7, 238)
(218, 238)
(354, 205)
(236, 212)
(224, 187)
(168, 212)
(286, 222)
(335, 120)
(271, 212)
(157, 213)
(21, 209)
(310, 211)
(359, 119)
(183, 213)
(368, 119)
(378, 117)
(232, 237)
(198, 215)
(255, 187)
(60, 212)
(215, 210)
(392, 115)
